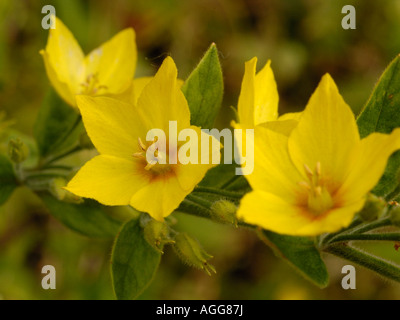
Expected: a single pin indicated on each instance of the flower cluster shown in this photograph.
(312, 171)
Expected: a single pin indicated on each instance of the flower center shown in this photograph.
(319, 199)
(91, 85)
(155, 158)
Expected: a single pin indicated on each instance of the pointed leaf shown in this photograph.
(8, 181)
(382, 114)
(133, 262)
(204, 90)
(87, 218)
(300, 253)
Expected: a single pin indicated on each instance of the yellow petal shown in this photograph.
(131, 95)
(61, 87)
(65, 57)
(327, 133)
(271, 212)
(189, 175)
(274, 170)
(266, 96)
(159, 198)
(162, 100)
(276, 214)
(109, 180)
(370, 161)
(247, 95)
(284, 127)
(114, 62)
(258, 100)
(113, 126)
(290, 116)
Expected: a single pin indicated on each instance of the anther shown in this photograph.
(309, 173)
(318, 168)
(304, 185)
(142, 146)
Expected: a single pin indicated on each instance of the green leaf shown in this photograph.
(204, 90)
(88, 218)
(8, 181)
(57, 127)
(300, 253)
(224, 176)
(382, 114)
(133, 262)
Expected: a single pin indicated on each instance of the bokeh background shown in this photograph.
(303, 38)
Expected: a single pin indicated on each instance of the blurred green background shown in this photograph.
(303, 38)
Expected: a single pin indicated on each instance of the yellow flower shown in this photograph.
(121, 175)
(258, 100)
(107, 70)
(315, 178)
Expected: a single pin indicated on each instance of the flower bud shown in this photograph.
(395, 216)
(191, 253)
(57, 190)
(17, 150)
(224, 211)
(156, 234)
(373, 208)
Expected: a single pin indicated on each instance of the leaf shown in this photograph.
(8, 181)
(224, 176)
(88, 218)
(382, 114)
(57, 127)
(300, 253)
(133, 262)
(204, 90)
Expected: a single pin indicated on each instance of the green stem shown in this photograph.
(366, 260)
(224, 193)
(371, 226)
(329, 236)
(63, 155)
(395, 236)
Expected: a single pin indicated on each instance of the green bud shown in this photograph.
(395, 216)
(191, 253)
(156, 234)
(373, 208)
(17, 150)
(57, 190)
(224, 211)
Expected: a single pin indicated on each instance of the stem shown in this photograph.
(225, 193)
(395, 236)
(371, 226)
(366, 260)
(329, 236)
(63, 155)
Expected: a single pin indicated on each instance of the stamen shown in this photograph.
(318, 168)
(150, 165)
(304, 185)
(309, 173)
(138, 155)
(142, 146)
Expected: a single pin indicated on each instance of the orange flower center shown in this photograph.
(156, 160)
